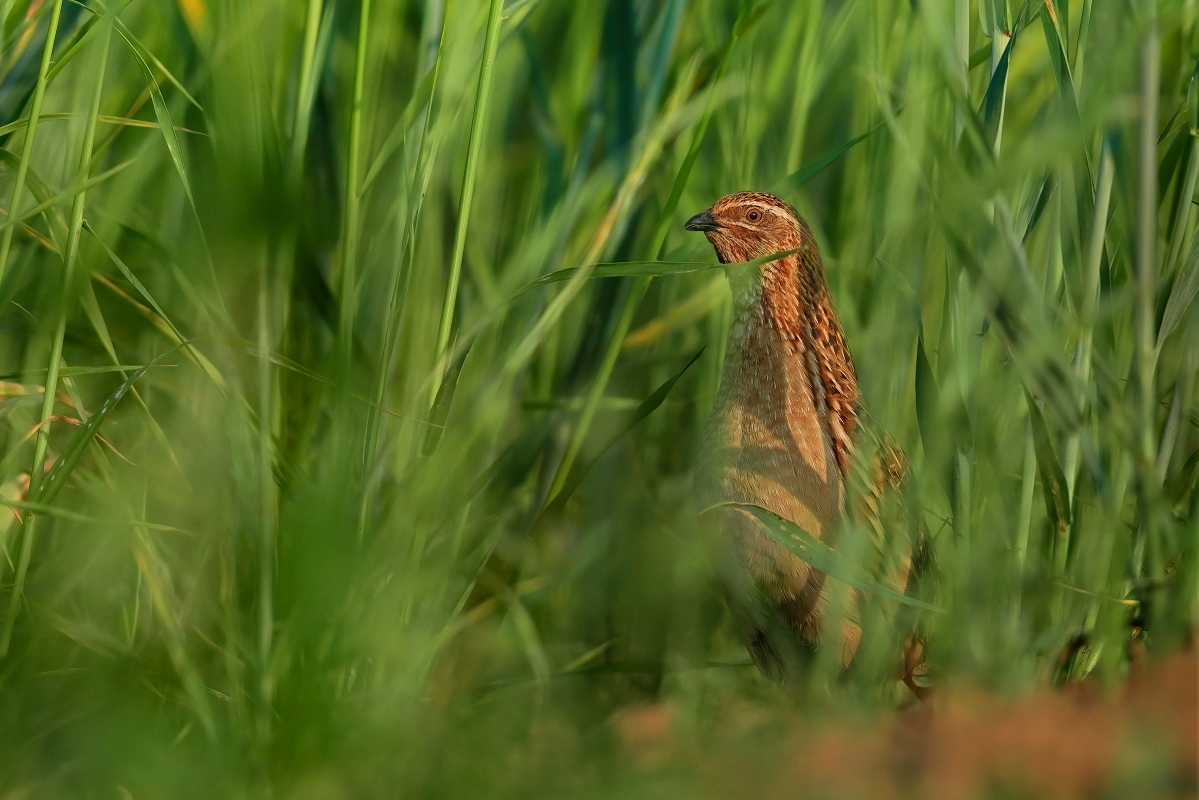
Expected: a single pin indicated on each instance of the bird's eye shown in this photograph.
(754, 215)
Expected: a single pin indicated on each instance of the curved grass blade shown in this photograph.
(69, 459)
(501, 478)
(351, 233)
(167, 126)
(163, 320)
(686, 313)
(153, 59)
(747, 15)
(935, 436)
(1053, 479)
(70, 258)
(89, 30)
(163, 114)
(56, 225)
(399, 132)
(811, 170)
(107, 119)
(1183, 210)
(528, 636)
(63, 196)
(928, 400)
(87, 519)
(647, 407)
(991, 111)
(92, 27)
(318, 25)
(442, 402)
(1059, 59)
(622, 269)
(71, 372)
(643, 269)
(91, 307)
(35, 110)
(1182, 294)
(824, 558)
(1033, 207)
(473, 149)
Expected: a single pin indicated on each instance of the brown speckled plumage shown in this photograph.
(783, 433)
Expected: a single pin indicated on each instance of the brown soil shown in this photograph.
(1139, 741)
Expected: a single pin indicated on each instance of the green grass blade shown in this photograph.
(801, 176)
(407, 224)
(153, 59)
(58, 474)
(399, 132)
(309, 69)
(1182, 214)
(474, 149)
(647, 407)
(172, 330)
(442, 401)
(42, 443)
(643, 269)
(62, 197)
(165, 124)
(991, 110)
(641, 284)
(168, 128)
(350, 226)
(1090, 297)
(502, 477)
(1182, 293)
(35, 111)
(1053, 479)
(1059, 60)
(56, 224)
(808, 548)
(93, 27)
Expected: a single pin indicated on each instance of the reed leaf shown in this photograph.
(824, 558)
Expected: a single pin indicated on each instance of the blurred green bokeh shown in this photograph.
(357, 535)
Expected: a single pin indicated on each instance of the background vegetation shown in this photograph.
(323, 505)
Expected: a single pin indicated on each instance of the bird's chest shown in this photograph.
(766, 442)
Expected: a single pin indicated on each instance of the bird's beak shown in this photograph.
(702, 222)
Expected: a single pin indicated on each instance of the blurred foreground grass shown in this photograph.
(321, 505)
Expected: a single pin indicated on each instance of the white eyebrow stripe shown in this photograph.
(769, 209)
(774, 210)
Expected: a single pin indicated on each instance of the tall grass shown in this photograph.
(362, 524)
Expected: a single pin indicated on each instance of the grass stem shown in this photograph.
(640, 285)
(350, 225)
(1090, 296)
(35, 112)
(474, 148)
(50, 393)
(1146, 274)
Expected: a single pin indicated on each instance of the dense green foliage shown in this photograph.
(336, 507)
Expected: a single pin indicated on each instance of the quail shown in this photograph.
(786, 433)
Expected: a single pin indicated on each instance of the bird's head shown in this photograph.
(749, 225)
